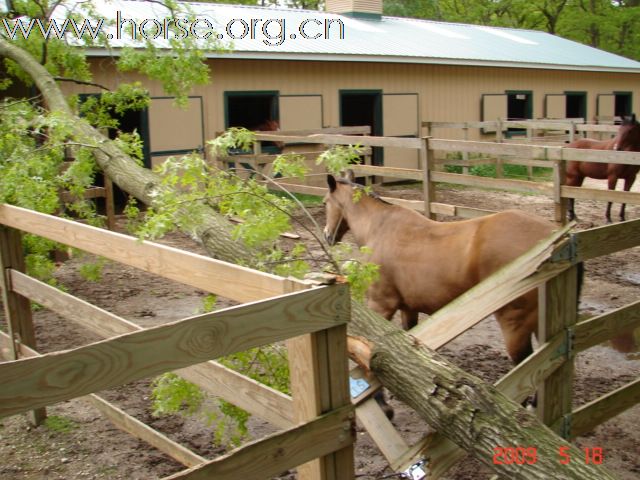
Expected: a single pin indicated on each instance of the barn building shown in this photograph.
(352, 66)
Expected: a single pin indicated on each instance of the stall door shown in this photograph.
(494, 106)
(173, 130)
(300, 112)
(555, 105)
(606, 107)
(401, 118)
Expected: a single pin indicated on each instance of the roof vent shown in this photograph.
(355, 8)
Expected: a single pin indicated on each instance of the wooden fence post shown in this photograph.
(319, 374)
(465, 155)
(429, 188)
(17, 309)
(109, 205)
(499, 139)
(559, 179)
(558, 306)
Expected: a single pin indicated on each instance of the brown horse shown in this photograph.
(627, 140)
(425, 264)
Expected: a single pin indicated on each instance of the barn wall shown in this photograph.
(444, 93)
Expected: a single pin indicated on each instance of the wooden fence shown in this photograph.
(540, 132)
(550, 267)
(318, 418)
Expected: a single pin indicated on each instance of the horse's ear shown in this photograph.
(331, 181)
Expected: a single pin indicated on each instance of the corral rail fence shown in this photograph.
(546, 156)
(551, 267)
(318, 419)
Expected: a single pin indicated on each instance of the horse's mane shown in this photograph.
(372, 194)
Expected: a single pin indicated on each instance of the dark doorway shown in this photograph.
(253, 111)
(129, 121)
(576, 106)
(363, 107)
(519, 107)
(623, 104)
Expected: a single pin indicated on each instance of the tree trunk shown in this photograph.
(461, 407)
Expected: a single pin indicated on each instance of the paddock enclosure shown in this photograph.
(550, 267)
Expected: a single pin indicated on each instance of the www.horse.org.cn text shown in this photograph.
(270, 31)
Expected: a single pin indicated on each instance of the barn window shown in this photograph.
(254, 111)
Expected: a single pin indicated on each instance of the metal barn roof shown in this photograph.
(387, 39)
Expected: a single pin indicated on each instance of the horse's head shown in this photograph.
(628, 138)
(340, 194)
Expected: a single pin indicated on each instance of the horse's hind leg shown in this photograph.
(409, 319)
(628, 183)
(612, 181)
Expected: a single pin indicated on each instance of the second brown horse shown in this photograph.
(626, 140)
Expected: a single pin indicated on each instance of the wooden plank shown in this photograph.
(558, 306)
(459, 210)
(600, 156)
(357, 130)
(222, 278)
(607, 239)
(305, 385)
(365, 141)
(583, 193)
(138, 429)
(405, 173)
(102, 322)
(60, 376)
(508, 283)
(589, 416)
(597, 127)
(496, 183)
(127, 423)
(109, 203)
(336, 365)
(561, 204)
(89, 193)
(17, 309)
(523, 380)
(381, 430)
(244, 392)
(492, 148)
(271, 456)
(596, 330)
(427, 159)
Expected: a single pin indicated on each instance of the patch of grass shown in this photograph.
(60, 424)
(304, 198)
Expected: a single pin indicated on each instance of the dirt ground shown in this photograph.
(81, 444)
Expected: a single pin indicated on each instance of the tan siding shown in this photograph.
(446, 93)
